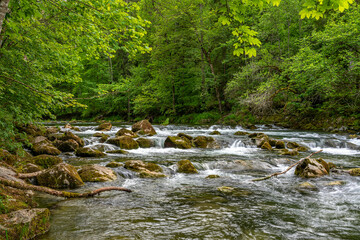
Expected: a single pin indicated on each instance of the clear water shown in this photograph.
(185, 206)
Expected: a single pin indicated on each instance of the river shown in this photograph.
(189, 206)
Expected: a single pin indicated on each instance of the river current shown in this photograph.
(190, 206)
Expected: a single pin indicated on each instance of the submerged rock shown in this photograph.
(96, 173)
(143, 127)
(104, 127)
(311, 168)
(88, 152)
(126, 132)
(335, 183)
(177, 142)
(124, 142)
(24, 223)
(234, 191)
(185, 166)
(60, 176)
(46, 161)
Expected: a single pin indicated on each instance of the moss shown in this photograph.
(287, 152)
(266, 146)
(203, 141)
(240, 133)
(96, 173)
(46, 161)
(114, 164)
(185, 166)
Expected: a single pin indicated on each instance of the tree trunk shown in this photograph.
(3, 10)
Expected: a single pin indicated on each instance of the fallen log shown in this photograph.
(291, 166)
(25, 186)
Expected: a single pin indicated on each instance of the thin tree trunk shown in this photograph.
(3, 10)
(128, 105)
(203, 87)
(173, 96)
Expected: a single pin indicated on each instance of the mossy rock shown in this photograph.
(240, 133)
(104, 138)
(13, 199)
(335, 183)
(324, 163)
(145, 143)
(234, 191)
(96, 173)
(280, 144)
(215, 133)
(177, 142)
(288, 152)
(124, 142)
(88, 152)
(114, 164)
(292, 145)
(307, 185)
(183, 135)
(8, 157)
(205, 142)
(185, 166)
(257, 135)
(311, 168)
(68, 146)
(45, 148)
(30, 168)
(98, 134)
(121, 151)
(145, 169)
(143, 126)
(354, 172)
(60, 176)
(104, 127)
(126, 132)
(25, 223)
(46, 161)
(272, 142)
(213, 176)
(266, 146)
(69, 135)
(302, 149)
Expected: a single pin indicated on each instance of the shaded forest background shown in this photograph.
(195, 61)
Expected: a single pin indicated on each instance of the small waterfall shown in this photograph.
(242, 144)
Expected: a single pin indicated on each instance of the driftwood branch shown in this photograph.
(25, 186)
(279, 173)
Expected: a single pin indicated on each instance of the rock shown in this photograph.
(288, 152)
(121, 151)
(143, 126)
(183, 135)
(104, 127)
(259, 138)
(355, 172)
(114, 165)
(292, 145)
(69, 135)
(13, 199)
(42, 145)
(52, 130)
(225, 189)
(335, 183)
(88, 152)
(215, 133)
(25, 223)
(30, 168)
(104, 138)
(234, 191)
(124, 142)
(98, 134)
(60, 176)
(205, 142)
(96, 173)
(185, 166)
(213, 176)
(307, 185)
(280, 144)
(302, 149)
(145, 143)
(126, 132)
(145, 170)
(310, 168)
(272, 142)
(68, 146)
(7, 157)
(266, 146)
(250, 126)
(46, 161)
(177, 142)
(240, 133)
(31, 130)
(68, 125)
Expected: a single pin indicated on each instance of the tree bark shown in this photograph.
(25, 186)
(3, 10)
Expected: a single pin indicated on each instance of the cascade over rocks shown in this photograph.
(60, 176)
(177, 142)
(311, 168)
(124, 142)
(143, 127)
(88, 152)
(104, 127)
(96, 173)
(126, 132)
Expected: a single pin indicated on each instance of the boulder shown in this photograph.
(177, 142)
(68, 146)
(24, 223)
(292, 145)
(46, 161)
(98, 134)
(42, 145)
(145, 143)
(311, 168)
(124, 142)
(354, 172)
(69, 135)
(104, 127)
(215, 133)
(240, 133)
(205, 142)
(185, 166)
(183, 135)
(7, 157)
(145, 169)
(307, 185)
(30, 168)
(60, 176)
(288, 152)
(280, 144)
(126, 132)
(13, 199)
(335, 183)
(213, 176)
(96, 173)
(104, 138)
(52, 130)
(266, 146)
(114, 164)
(88, 152)
(143, 127)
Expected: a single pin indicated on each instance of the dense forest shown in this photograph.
(198, 61)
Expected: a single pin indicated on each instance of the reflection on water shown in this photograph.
(184, 206)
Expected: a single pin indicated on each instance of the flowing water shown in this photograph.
(189, 206)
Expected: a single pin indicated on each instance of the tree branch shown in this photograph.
(25, 85)
(279, 173)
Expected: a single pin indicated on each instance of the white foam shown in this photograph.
(337, 151)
